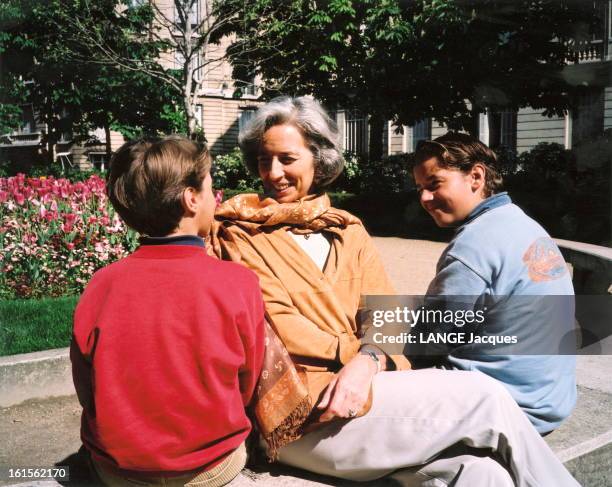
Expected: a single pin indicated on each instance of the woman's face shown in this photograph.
(286, 165)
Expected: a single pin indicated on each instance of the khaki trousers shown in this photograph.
(434, 428)
(219, 475)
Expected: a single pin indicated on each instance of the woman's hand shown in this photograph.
(348, 392)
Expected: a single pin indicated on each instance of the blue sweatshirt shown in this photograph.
(501, 256)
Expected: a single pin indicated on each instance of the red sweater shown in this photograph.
(167, 348)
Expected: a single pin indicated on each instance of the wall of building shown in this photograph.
(81, 153)
(396, 141)
(221, 121)
(532, 128)
(608, 108)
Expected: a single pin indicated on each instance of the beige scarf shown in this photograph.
(310, 214)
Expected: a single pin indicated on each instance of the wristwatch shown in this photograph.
(374, 357)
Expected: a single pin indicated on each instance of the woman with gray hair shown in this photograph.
(321, 135)
(327, 401)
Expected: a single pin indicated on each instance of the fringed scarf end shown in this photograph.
(289, 430)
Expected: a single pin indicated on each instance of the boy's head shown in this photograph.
(453, 174)
(162, 186)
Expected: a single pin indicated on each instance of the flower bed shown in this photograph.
(54, 234)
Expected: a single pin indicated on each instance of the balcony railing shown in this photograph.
(21, 139)
(588, 51)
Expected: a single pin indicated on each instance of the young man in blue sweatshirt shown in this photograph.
(504, 264)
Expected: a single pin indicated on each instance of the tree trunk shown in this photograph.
(189, 115)
(375, 149)
(191, 126)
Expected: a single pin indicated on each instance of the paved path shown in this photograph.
(410, 264)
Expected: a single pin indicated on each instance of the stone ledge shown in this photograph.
(586, 248)
(592, 266)
(35, 375)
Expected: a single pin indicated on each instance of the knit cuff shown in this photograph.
(222, 473)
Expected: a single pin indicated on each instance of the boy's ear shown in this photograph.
(478, 174)
(189, 200)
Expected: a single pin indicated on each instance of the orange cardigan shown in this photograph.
(314, 313)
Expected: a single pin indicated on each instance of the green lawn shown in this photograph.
(30, 325)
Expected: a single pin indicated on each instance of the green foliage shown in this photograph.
(229, 172)
(350, 180)
(10, 117)
(13, 93)
(54, 46)
(564, 193)
(389, 175)
(548, 160)
(31, 325)
(174, 116)
(391, 215)
(404, 61)
(73, 174)
(508, 161)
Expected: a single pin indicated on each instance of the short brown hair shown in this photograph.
(462, 151)
(147, 178)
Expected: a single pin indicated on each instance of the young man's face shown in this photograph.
(448, 195)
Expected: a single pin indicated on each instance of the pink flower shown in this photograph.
(3, 196)
(69, 220)
(19, 198)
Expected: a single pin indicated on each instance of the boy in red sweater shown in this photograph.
(168, 342)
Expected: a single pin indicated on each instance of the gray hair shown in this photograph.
(318, 129)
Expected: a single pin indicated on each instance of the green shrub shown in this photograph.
(39, 169)
(391, 174)
(229, 172)
(508, 161)
(548, 160)
(566, 191)
(352, 175)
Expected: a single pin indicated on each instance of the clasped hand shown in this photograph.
(348, 392)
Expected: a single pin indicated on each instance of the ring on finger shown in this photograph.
(351, 413)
